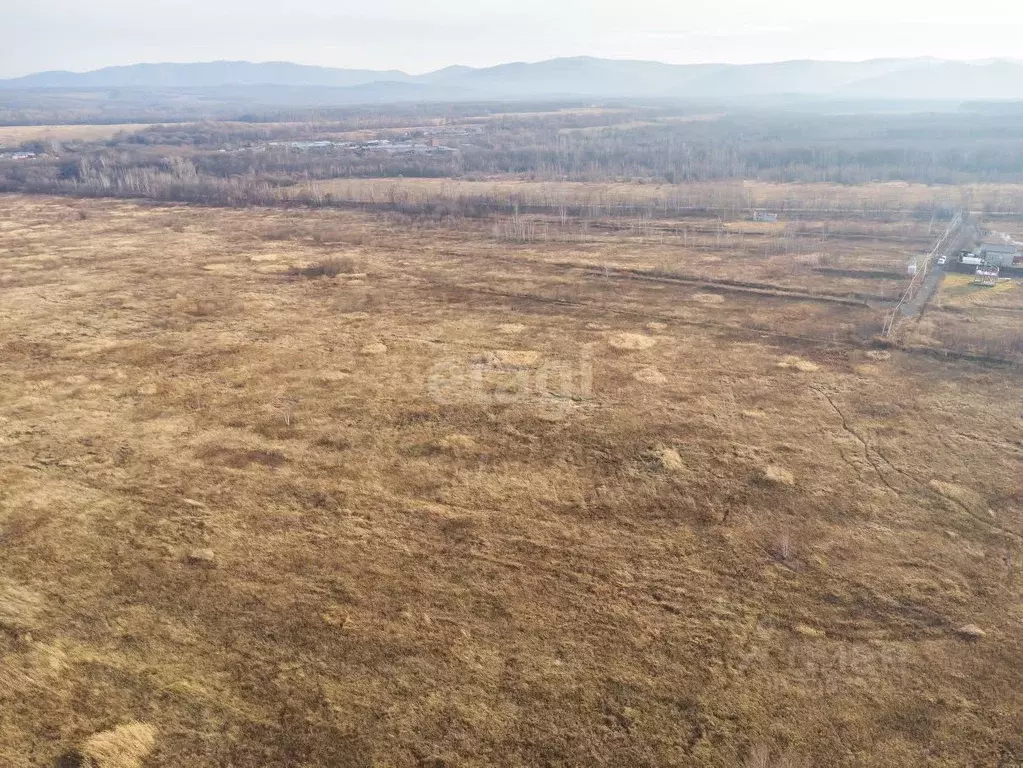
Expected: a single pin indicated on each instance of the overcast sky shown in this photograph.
(421, 35)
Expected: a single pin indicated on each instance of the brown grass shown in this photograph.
(20, 608)
(330, 267)
(453, 552)
(126, 746)
(778, 475)
(631, 341)
(965, 318)
(13, 135)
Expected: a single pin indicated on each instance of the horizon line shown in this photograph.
(984, 60)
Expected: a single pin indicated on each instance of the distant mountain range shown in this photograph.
(916, 79)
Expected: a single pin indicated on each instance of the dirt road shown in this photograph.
(913, 306)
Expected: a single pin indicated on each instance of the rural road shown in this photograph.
(932, 279)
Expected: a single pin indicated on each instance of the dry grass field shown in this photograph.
(13, 135)
(968, 318)
(973, 319)
(468, 501)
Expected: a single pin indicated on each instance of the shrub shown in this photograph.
(332, 267)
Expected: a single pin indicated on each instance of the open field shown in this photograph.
(972, 319)
(12, 135)
(488, 499)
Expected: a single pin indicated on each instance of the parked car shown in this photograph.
(942, 260)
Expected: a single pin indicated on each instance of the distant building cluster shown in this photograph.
(460, 130)
(404, 147)
(991, 261)
(1001, 254)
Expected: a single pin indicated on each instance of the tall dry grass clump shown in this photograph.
(19, 607)
(125, 746)
(330, 267)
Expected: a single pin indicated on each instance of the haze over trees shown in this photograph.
(266, 159)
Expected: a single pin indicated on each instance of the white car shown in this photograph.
(941, 261)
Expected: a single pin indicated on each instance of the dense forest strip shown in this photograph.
(448, 142)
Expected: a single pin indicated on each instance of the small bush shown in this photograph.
(204, 308)
(283, 233)
(332, 267)
(328, 236)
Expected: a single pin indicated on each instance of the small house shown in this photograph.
(999, 254)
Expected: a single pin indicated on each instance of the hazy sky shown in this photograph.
(418, 35)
